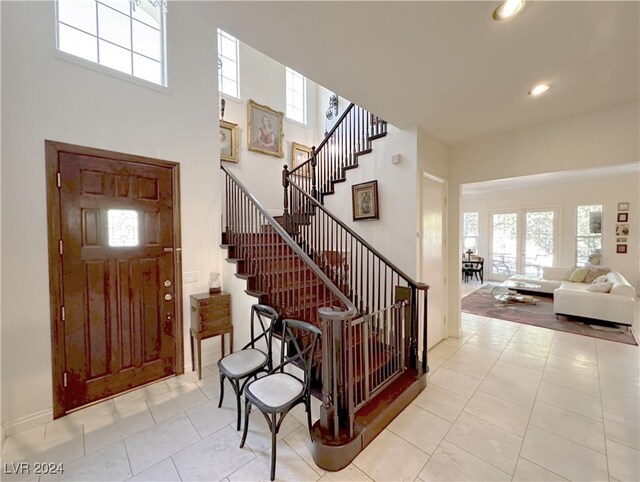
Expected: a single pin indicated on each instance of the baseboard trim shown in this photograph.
(25, 423)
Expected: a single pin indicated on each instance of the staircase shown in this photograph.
(309, 265)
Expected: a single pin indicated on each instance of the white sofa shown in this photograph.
(573, 298)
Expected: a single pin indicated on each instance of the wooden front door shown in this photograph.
(114, 227)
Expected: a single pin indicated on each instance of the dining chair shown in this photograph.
(278, 392)
(240, 366)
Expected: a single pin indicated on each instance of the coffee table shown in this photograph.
(507, 292)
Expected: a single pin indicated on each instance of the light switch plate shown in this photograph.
(190, 277)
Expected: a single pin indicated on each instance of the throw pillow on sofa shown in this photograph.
(579, 275)
(600, 287)
(600, 279)
(594, 272)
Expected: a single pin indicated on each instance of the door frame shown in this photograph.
(426, 176)
(54, 234)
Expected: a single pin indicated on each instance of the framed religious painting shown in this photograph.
(228, 141)
(299, 155)
(364, 199)
(265, 131)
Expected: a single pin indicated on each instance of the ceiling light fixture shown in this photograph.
(539, 89)
(507, 9)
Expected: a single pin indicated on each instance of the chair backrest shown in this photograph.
(266, 317)
(299, 340)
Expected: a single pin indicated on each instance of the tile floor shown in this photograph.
(504, 402)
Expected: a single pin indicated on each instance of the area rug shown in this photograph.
(480, 302)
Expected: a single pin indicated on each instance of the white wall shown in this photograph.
(433, 159)
(395, 233)
(565, 198)
(44, 97)
(601, 138)
(263, 80)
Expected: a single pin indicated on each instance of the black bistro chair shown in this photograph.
(251, 360)
(279, 391)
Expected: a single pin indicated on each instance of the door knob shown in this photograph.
(168, 297)
(167, 283)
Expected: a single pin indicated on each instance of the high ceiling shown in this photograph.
(448, 66)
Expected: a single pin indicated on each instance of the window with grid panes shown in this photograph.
(117, 34)
(228, 71)
(296, 85)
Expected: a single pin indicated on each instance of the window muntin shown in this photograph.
(296, 87)
(228, 71)
(116, 34)
(470, 232)
(588, 232)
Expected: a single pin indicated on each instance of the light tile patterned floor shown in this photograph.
(504, 402)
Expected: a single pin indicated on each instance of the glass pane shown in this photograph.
(229, 87)
(505, 243)
(147, 69)
(227, 47)
(586, 246)
(78, 14)
(589, 220)
(114, 26)
(538, 242)
(229, 69)
(122, 227)
(115, 57)
(77, 43)
(470, 243)
(123, 6)
(470, 224)
(146, 41)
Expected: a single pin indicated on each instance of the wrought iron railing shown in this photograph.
(280, 270)
(350, 137)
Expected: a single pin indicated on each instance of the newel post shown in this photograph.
(314, 163)
(332, 361)
(285, 185)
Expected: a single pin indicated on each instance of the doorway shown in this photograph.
(434, 255)
(522, 241)
(115, 282)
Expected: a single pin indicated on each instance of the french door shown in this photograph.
(522, 241)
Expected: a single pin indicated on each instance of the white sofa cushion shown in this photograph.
(577, 301)
(620, 285)
(603, 287)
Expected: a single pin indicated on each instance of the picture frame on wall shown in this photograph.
(265, 132)
(228, 141)
(622, 230)
(364, 198)
(621, 240)
(623, 206)
(300, 154)
(621, 249)
(623, 217)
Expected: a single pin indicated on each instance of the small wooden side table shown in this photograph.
(210, 316)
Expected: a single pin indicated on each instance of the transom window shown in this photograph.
(588, 232)
(228, 72)
(296, 96)
(117, 34)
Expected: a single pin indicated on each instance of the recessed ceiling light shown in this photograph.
(539, 89)
(507, 9)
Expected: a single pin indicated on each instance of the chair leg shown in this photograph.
(247, 411)
(221, 390)
(238, 393)
(308, 407)
(274, 431)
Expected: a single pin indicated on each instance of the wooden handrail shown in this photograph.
(326, 138)
(351, 309)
